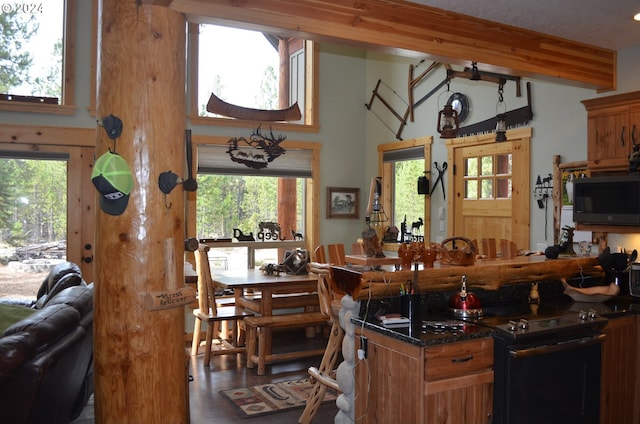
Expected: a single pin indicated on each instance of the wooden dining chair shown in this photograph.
(357, 248)
(319, 254)
(489, 248)
(325, 375)
(213, 315)
(336, 254)
(508, 249)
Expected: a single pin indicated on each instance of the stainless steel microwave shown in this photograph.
(611, 200)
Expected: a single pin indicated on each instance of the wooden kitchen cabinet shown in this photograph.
(399, 382)
(619, 372)
(389, 381)
(613, 123)
(459, 382)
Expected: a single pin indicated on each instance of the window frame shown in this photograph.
(67, 102)
(311, 120)
(312, 188)
(81, 200)
(386, 170)
(495, 177)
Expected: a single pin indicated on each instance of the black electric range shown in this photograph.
(527, 322)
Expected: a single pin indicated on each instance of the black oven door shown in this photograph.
(555, 383)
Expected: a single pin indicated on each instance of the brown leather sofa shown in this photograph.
(46, 359)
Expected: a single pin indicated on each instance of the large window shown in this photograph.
(242, 70)
(228, 202)
(250, 69)
(233, 199)
(37, 65)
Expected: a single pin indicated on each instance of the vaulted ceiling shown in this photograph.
(602, 23)
(545, 39)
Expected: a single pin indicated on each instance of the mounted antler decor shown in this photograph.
(250, 156)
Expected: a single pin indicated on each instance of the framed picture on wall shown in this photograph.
(343, 202)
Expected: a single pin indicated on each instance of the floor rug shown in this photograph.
(271, 398)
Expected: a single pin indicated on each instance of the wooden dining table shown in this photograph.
(265, 294)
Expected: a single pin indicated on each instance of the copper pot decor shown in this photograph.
(417, 252)
(465, 304)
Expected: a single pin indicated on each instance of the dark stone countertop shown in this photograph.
(416, 336)
(433, 306)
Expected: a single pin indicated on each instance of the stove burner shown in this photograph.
(442, 326)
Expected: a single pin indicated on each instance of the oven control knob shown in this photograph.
(592, 314)
(511, 325)
(523, 324)
(582, 315)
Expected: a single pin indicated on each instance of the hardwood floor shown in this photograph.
(229, 371)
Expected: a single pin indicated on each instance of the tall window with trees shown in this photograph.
(251, 69)
(242, 72)
(400, 164)
(35, 72)
(232, 196)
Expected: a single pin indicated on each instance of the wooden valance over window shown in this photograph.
(410, 153)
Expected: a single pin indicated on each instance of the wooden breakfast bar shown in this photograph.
(486, 274)
(360, 284)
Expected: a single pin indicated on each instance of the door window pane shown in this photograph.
(471, 189)
(33, 223)
(489, 183)
(471, 167)
(504, 188)
(504, 164)
(487, 165)
(487, 189)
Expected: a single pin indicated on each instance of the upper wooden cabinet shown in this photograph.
(613, 127)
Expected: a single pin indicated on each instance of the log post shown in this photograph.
(139, 352)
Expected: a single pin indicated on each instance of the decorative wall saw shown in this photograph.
(257, 151)
(403, 111)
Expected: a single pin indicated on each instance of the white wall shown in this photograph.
(559, 120)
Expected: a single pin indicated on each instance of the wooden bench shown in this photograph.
(257, 343)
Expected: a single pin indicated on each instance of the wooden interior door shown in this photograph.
(491, 189)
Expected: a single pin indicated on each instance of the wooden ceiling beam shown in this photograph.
(417, 31)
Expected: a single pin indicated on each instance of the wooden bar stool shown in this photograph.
(324, 376)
